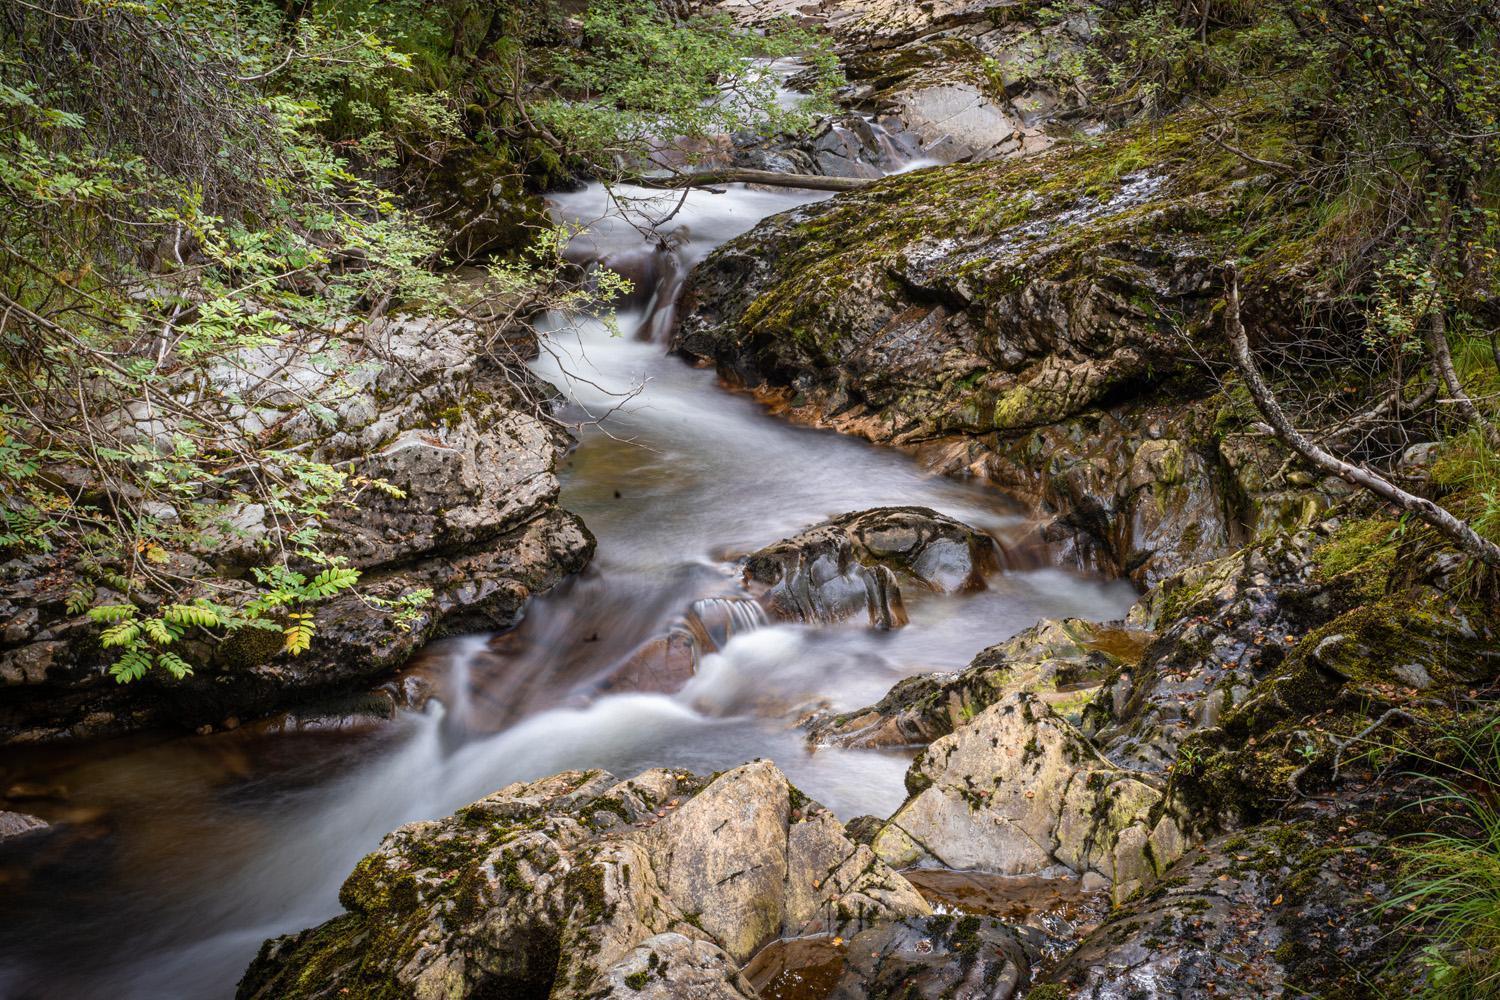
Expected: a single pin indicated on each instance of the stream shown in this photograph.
(176, 856)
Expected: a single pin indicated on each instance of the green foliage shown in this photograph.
(169, 227)
(1449, 891)
(189, 229)
(642, 80)
(1468, 466)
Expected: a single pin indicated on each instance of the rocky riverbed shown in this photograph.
(1117, 709)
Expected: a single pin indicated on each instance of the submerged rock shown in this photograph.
(581, 885)
(855, 563)
(665, 664)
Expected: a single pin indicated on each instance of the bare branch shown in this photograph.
(1443, 521)
(734, 175)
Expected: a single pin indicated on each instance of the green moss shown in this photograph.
(844, 254)
(584, 892)
(1363, 552)
(251, 647)
(1049, 991)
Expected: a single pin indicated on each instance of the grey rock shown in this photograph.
(855, 564)
(579, 885)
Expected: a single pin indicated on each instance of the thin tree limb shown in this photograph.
(1440, 520)
(770, 178)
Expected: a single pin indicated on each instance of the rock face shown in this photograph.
(1059, 661)
(423, 409)
(1018, 791)
(581, 885)
(854, 564)
(1036, 322)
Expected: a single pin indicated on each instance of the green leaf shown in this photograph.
(112, 612)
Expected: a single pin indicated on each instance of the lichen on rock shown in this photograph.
(569, 885)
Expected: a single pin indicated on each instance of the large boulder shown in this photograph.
(581, 885)
(855, 563)
(1039, 323)
(460, 499)
(1019, 791)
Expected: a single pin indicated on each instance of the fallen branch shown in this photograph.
(1294, 780)
(1442, 521)
(770, 178)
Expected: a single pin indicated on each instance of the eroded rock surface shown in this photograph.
(581, 885)
(855, 564)
(422, 408)
(1017, 790)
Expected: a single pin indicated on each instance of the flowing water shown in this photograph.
(174, 857)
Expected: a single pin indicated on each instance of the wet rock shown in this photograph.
(1017, 790)
(1057, 660)
(1263, 913)
(934, 957)
(849, 144)
(427, 412)
(666, 663)
(855, 564)
(14, 824)
(1226, 624)
(1031, 323)
(659, 666)
(581, 885)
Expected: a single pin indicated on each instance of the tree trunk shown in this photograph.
(1442, 361)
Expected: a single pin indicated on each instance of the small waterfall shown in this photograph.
(713, 621)
(458, 685)
(661, 311)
